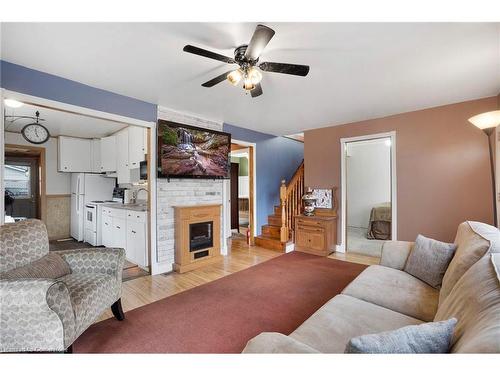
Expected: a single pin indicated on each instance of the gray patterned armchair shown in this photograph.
(43, 314)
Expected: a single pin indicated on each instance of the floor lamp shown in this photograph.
(487, 122)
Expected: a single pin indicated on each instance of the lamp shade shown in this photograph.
(486, 120)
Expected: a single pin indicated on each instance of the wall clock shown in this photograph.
(35, 132)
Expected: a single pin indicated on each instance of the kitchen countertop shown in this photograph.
(142, 207)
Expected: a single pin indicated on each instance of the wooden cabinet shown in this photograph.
(315, 234)
(74, 154)
(108, 154)
(136, 148)
(136, 241)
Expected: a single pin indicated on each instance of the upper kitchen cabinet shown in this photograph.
(136, 146)
(70, 154)
(122, 156)
(108, 154)
(96, 155)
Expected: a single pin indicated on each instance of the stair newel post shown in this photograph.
(284, 204)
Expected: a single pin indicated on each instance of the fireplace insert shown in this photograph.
(200, 236)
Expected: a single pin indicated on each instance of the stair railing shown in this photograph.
(291, 203)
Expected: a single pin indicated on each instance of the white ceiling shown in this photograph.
(358, 71)
(61, 123)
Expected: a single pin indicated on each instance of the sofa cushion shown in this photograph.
(50, 266)
(427, 338)
(330, 328)
(475, 302)
(395, 290)
(91, 294)
(274, 342)
(471, 246)
(429, 260)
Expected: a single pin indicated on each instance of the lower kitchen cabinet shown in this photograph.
(126, 229)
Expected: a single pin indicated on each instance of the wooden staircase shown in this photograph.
(277, 234)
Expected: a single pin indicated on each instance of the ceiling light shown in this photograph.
(486, 120)
(248, 84)
(235, 77)
(254, 75)
(11, 103)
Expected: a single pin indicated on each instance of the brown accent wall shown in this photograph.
(442, 162)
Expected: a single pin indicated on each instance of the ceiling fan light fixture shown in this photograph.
(235, 77)
(248, 85)
(254, 75)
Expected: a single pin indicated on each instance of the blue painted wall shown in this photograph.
(277, 158)
(43, 85)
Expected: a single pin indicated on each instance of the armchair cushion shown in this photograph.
(22, 243)
(273, 342)
(50, 266)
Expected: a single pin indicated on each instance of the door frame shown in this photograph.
(252, 201)
(77, 110)
(343, 215)
(42, 182)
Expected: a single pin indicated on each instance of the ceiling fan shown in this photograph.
(247, 57)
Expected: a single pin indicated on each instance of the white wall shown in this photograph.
(368, 179)
(56, 182)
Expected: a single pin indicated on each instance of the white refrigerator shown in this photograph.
(85, 188)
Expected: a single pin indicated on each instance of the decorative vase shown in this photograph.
(309, 201)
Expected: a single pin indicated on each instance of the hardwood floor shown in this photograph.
(145, 290)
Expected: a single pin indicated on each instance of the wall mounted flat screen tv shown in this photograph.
(189, 152)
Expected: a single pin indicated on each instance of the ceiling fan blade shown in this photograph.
(261, 36)
(210, 55)
(257, 91)
(295, 69)
(216, 80)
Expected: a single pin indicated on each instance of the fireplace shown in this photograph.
(197, 236)
(200, 236)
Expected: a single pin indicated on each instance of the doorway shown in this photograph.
(368, 193)
(24, 179)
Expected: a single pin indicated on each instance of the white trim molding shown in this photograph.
(394, 193)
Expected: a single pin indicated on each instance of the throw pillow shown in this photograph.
(429, 260)
(50, 266)
(427, 338)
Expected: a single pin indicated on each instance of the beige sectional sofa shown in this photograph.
(384, 297)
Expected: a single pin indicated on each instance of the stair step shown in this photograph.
(277, 210)
(274, 220)
(271, 231)
(270, 243)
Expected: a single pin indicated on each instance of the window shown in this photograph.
(18, 180)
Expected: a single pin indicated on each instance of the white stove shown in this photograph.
(93, 221)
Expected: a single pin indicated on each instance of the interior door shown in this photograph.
(235, 216)
(22, 187)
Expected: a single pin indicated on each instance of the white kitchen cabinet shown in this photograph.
(74, 154)
(122, 168)
(136, 242)
(108, 154)
(126, 229)
(107, 229)
(136, 149)
(95, 155)
(119, 233)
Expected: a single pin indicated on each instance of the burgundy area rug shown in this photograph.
(221, 316)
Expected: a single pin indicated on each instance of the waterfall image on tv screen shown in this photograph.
(185, 151)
